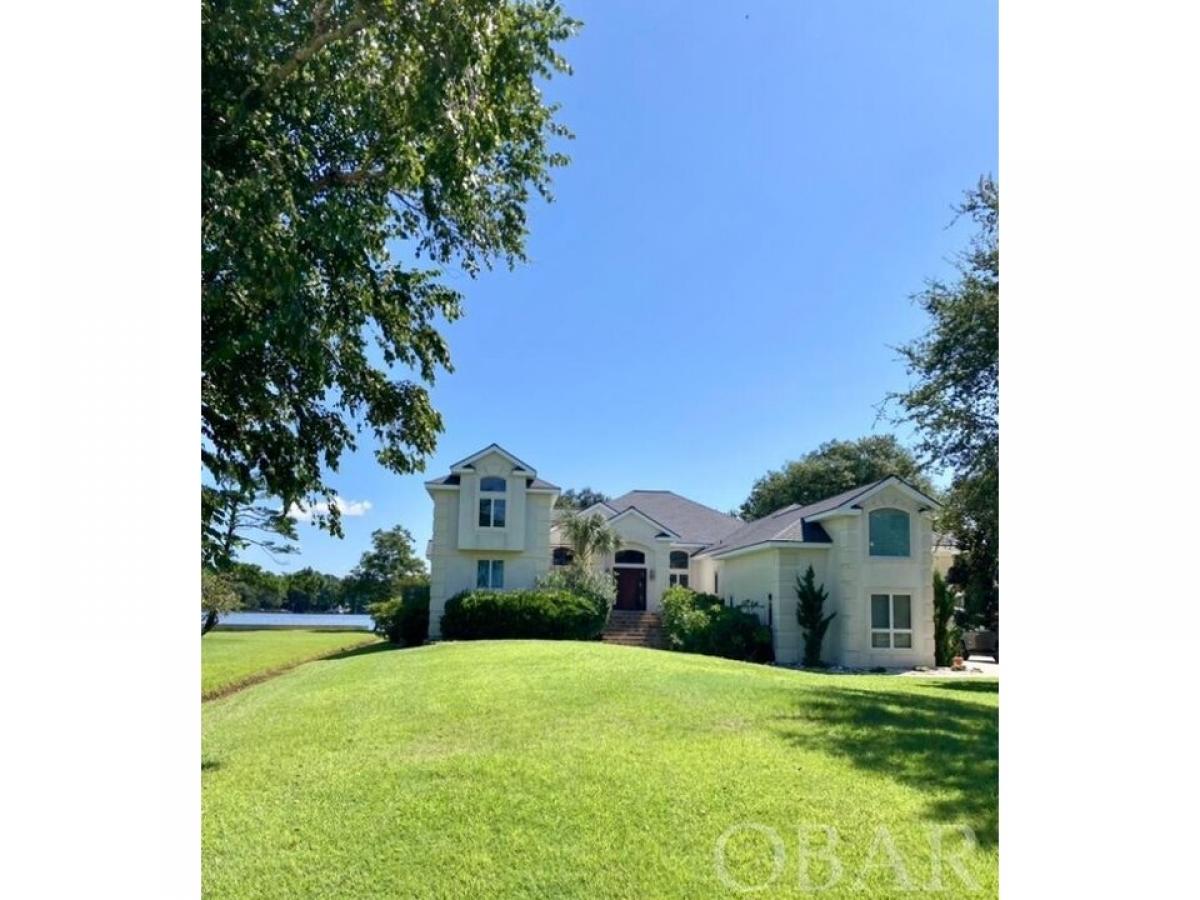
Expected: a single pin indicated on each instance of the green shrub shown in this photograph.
(701, 623)
(810, 614)
(404, 619)
(541, 613)
(599, 587)
(946, 635)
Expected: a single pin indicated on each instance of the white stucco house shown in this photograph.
(872, 547)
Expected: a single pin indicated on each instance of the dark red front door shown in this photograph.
(631, 589)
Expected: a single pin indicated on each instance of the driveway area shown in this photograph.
(977, 667)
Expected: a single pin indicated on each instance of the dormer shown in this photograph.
(493, 490)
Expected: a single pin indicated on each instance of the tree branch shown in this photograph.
(319, 39)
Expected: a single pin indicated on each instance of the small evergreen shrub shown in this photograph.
(946, 634)
(701, 623)
(405, 619)
(542, 613)
(810, 614)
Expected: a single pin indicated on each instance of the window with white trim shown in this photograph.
(891, 622)
(492, 509)
(679, 565)
(563, 556)
(888, 529)
(489, 573)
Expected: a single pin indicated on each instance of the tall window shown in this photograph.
(679, 561)
(891, 621)
(889, 532)
(492, 510)
(630, 557)
(489, 573)
(563, 556)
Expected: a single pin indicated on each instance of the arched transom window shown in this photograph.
(630, 558)
(493, 483)
(889, 532)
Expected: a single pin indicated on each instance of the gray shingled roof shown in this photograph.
(788, 524)
(694, 522)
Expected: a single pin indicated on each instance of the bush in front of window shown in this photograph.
(701, 623)
(541, 613)
(403, 620)
(599, 587)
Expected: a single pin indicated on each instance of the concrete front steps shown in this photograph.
(634, 628)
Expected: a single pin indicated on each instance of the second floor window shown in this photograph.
(888, 532)
(491, 512)
(489, 573)
(492, 509)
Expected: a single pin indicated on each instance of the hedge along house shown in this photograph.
(872, 548)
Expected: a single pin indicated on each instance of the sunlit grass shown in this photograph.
(230, 658)
(582, 769)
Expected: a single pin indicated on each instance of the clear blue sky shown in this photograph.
(756, 190)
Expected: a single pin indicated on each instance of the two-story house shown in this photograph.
(872, 548)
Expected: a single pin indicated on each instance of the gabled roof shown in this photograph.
(469, 462)
(454, 479)
(797, 524)
(688, 521)
(664, 531)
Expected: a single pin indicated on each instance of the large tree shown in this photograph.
(833, 467)
(235, 518)
(388, 566)
(954, 400)
(351, 149)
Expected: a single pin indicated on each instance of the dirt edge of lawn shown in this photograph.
(267, 674)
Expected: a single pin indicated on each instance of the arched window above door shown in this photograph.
(630, 558)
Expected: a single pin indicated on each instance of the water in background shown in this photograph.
(346, 621)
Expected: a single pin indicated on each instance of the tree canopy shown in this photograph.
(389, 565)
(580, 498)
(954, 400)
(352, 149)
(833, 467)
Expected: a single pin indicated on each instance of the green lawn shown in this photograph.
(230, 658)
(525, 768)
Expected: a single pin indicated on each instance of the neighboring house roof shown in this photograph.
(793, 524)
(689, 521)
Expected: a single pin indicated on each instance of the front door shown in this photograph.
(631, 589)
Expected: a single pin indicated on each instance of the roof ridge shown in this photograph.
(712, 509)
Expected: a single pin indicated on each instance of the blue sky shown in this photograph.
(756, 190)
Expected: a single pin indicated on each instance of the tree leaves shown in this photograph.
(343, 142)
(832, 468)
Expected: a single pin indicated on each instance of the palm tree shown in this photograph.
(588, 536)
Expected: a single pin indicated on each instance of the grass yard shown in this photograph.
(229, 659)
(538, 769)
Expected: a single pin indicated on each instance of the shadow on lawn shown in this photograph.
(968, 686)
(383, 647)
(944, 747)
